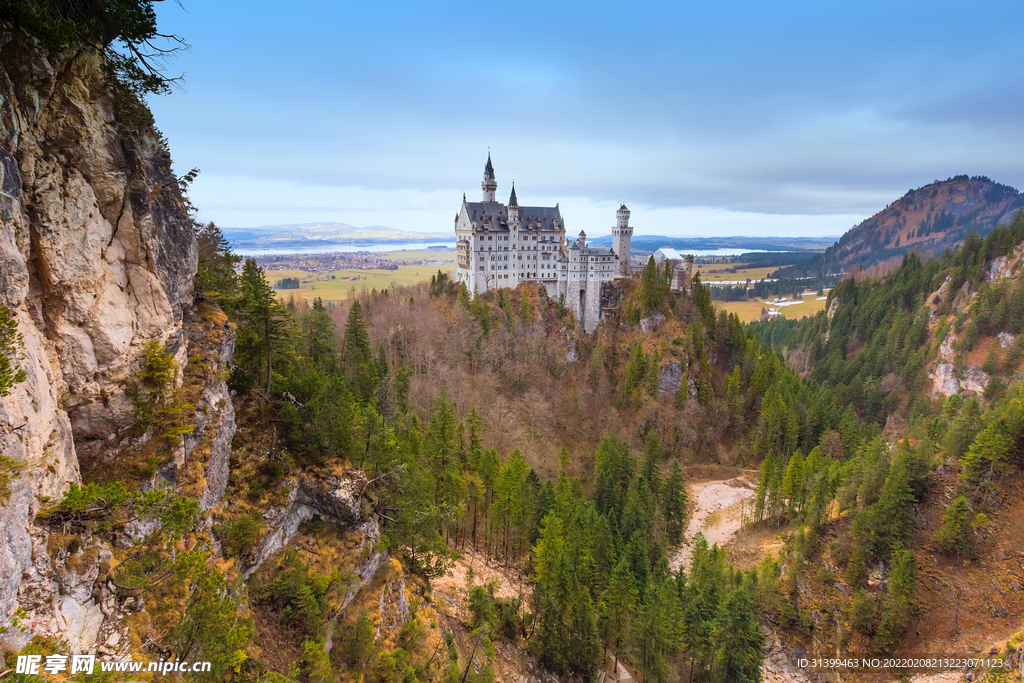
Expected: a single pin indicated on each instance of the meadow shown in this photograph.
(751, 310)
(742, 272)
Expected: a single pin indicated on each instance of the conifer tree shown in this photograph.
(652, 463)
(793, 483)
(955, 536)
(215, 272)
(617, 610)
(674, 504)
(264, 323)
(357, 341)
(738, 636)
(657, 629)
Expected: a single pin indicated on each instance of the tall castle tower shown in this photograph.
(489, 184)
(622, 233)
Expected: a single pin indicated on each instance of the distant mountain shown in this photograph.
(323, 234)
(927, 220)
(650, 243)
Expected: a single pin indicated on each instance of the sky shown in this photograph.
(711, 118)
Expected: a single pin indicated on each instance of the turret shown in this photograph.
(513, 209)
(622, 233)
(583, 240)
(489, 184)
(622, 217)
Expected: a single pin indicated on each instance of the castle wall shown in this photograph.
(591, 307)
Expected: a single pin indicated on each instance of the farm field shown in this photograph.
(742, 273)
(340, 288)
(751, 310)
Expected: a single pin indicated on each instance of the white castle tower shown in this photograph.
(621, 235)
(489, 184)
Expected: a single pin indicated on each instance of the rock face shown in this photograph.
(97, 257)
(671, 375)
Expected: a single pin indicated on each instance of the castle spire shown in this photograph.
(512, 201)
(489, 184)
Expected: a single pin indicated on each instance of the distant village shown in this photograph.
(330, 262)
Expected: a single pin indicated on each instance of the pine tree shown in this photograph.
(652, 287)
(215, 272)
(318, 337)
(617, 610)
(793, 483)
(674, 504)
(955, 536)
(357, 341)
(439, 451)
(651, 470)
(264, 322)
(738, 636)
(700, 606)
(657, 630)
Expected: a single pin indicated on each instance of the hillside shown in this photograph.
(933, 354)
(927, 220)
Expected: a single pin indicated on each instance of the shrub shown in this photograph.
(239, 535)
(159, 401)
(11, 343)
(356, 643)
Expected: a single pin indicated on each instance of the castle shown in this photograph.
(501, 245)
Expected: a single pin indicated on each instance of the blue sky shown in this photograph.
(712, 118)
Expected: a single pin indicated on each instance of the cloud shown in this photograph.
(736, 116)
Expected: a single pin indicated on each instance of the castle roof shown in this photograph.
(489, 168)
(512, 201)
(494, 216)
(623, 208)
(572, 245)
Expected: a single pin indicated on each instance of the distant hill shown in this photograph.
(926, 220)
(650, 243)
(323, 234)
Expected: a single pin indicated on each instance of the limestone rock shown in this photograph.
(97, 257)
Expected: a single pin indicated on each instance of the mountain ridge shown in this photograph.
(927, 220)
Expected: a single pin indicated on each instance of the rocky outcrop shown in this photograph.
(651, 322)
(670, 377)
(97, 257)
(947, 380)
(336, 499)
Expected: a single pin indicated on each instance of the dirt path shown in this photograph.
(716, 510)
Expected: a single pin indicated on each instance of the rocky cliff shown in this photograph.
(97, 258)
